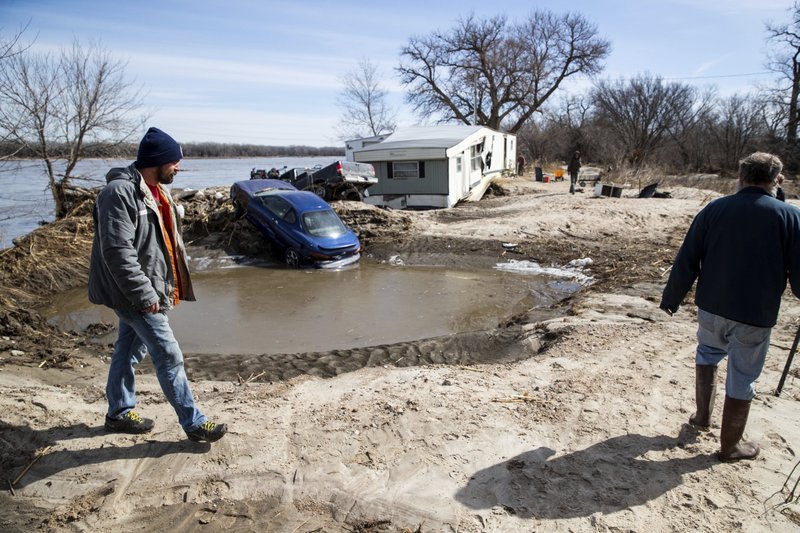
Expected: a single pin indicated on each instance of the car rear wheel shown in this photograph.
(292, 258)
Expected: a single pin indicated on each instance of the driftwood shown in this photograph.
(38, 456)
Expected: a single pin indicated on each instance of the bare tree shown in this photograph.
(641, 113)
(365, 111)
(497, 74)
(10, 47)
(52, 105)
(772, 117)
(784, 59)
(691, 114)
(735, 127)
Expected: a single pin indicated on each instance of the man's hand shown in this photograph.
(155, 308)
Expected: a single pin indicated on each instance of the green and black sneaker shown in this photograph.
(208, 432)
(130, 422)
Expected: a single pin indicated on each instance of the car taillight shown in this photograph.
(339, 169)
(317, 255)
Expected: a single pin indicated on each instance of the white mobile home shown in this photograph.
(436, 166)
(357, 144)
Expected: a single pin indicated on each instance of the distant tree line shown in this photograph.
(648, 121)
(210, 149)
(204, 149)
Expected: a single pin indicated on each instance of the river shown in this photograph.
(26, 201)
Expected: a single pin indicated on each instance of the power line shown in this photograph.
(672, 78)
(719, 76)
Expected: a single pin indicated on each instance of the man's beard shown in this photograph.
(164, 177)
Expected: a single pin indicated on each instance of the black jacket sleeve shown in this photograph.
(686, 267)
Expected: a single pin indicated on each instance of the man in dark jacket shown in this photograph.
(138, 268)
(741, 249)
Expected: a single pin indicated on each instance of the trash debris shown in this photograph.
(517, 398)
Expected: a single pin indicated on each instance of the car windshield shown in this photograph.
(323, 223)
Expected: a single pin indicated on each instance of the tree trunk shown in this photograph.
(791, 126)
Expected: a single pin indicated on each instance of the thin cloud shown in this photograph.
(294, 72)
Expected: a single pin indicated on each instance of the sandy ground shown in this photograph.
(575, 423)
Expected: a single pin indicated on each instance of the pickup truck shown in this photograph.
(341, 180)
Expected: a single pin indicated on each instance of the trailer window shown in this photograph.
(475, 156)
(408, 169)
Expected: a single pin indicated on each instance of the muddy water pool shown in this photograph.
(271, 310)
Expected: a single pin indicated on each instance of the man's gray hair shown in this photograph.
(760, 168)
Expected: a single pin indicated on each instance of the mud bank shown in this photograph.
(581, 426)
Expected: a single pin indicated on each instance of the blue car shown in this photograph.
(301, 224)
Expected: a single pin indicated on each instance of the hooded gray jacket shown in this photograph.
(129, 268)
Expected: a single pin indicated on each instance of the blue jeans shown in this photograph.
(140, 333)
(746, 347)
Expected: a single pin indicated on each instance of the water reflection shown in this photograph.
(252, 310)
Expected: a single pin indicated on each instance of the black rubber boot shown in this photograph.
(734, 419)
(705, 391)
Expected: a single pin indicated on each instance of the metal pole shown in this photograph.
(788, 363)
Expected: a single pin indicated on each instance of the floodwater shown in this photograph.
(274, 310)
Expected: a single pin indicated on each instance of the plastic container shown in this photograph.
(610, 190)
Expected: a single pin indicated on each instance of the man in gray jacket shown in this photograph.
(138, 268)
(741, 249)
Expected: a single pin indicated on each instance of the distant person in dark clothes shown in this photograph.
(741, 249)
(520, 165)
(779, 194)
(138, 268)
(574, 167)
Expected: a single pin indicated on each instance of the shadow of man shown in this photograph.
(19, 446)
(608, 476)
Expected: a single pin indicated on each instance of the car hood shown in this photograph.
(334, 243)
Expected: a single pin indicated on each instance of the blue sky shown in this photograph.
(267, 72)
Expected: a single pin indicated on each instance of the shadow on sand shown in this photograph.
(19, 446)
(609, 476)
